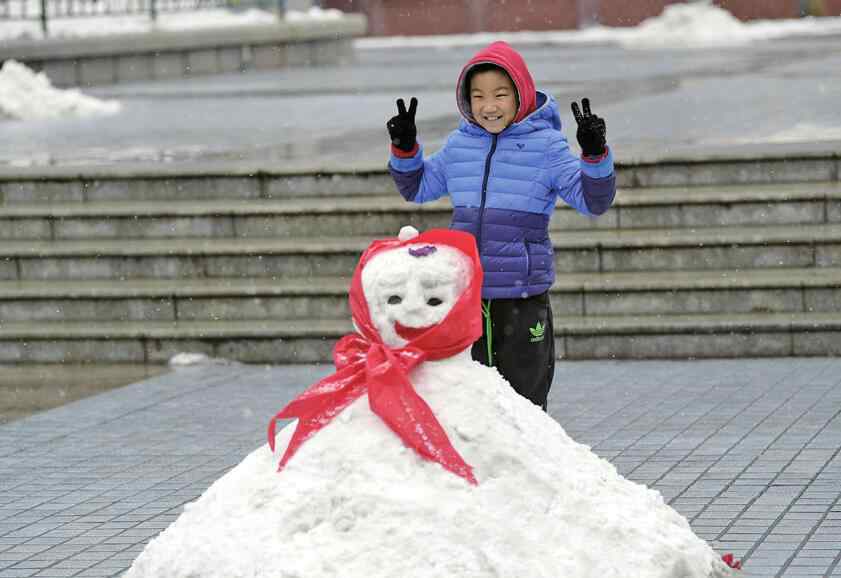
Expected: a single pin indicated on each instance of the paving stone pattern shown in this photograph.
(747, 450)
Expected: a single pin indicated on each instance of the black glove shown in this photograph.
(591, 130)
(401, 128)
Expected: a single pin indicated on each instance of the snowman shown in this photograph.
(414, 461)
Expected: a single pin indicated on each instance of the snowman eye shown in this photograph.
(395, 300)
(434, 301)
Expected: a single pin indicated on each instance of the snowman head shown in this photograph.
(411, 288)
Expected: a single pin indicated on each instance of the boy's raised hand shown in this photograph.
(592, 132)
(401, 128)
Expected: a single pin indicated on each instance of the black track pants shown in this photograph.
(522, 344)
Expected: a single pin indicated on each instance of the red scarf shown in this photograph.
(364, 364)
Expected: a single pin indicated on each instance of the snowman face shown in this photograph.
(412, 288)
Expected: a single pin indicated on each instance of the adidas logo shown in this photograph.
(537, 332)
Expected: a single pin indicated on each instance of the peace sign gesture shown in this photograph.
(401, 128)
(591, 131)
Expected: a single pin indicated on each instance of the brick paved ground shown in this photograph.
(748, 450)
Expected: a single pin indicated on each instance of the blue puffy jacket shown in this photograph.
(503, 189)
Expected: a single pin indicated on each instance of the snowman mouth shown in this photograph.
(410, 333)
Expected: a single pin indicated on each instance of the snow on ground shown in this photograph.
(801, 132)
(313, 13)
(98, 25)
(187, 359)
(25, 95)
(695, 25)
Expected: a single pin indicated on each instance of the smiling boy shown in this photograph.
(493, 98)
(503, 168)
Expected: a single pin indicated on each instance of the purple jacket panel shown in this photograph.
(408, 183)
(518, 260)
(598, 193)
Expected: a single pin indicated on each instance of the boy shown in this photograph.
(503, 169)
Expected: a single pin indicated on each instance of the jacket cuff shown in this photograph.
(407, 164)
(400, 153)
(598, 167)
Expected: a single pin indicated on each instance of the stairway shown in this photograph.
(137, 274)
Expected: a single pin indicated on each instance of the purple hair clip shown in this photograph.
(422, 251)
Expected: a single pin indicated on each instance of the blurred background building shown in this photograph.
(414, 17)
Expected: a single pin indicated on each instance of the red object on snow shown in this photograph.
(731, 561)
(364, 364)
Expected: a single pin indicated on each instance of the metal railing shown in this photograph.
(45, 10)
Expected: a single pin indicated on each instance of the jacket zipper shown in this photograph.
(528, 258)
(484, 192)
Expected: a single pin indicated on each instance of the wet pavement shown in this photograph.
(657, 103)
(28, 389)
(748, 450)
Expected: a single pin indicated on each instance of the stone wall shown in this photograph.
(111, 59)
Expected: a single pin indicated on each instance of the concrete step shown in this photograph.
(181, 181)
(258, 218)
(703, 248)
(234, 299)
(809, 290)
(582, 294)
(717, 257)
(252, 180)
(377, 215)
(309, 341)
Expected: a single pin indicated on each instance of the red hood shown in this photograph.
(502, 55)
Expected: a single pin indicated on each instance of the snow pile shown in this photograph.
(314, 13)
(186, 359)
(26, 95)
(702, 24)
(216, 18)
(804, 132)
(695, 24)
(355, 501)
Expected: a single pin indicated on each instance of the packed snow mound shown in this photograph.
(314, 13)
(27, 95)
(695, 24)
(354, 501)
(703, 24)
(189, 359)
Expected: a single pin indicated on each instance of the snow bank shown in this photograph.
(688, 25)
(186, 359)
(313, 13)
(25, 95)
